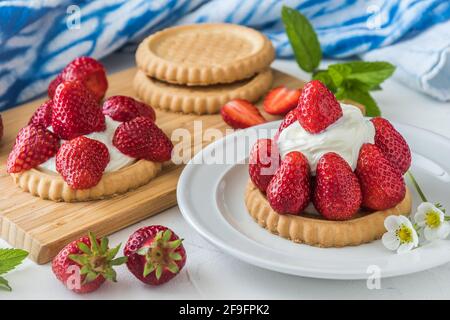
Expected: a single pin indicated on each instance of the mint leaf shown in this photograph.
(303, 39)
(324, 77)
(362, 97)
(4, 284)
(369, 73)
(339, 72)
(11, 258)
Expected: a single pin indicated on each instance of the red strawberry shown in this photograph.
(53, 85)
(337, 194)
(140, 138)
(155, 254)
(75, 111)
(318, 107)
(121, 108)
(90, 73)
(81, 162)
(43, 114)
(240, 114)
(84, 264)
(289, 191)
(382, 184)
(281, 100)
(34, 145)
(290, 118)
(392, 144)
(264, 160)
(1, 127)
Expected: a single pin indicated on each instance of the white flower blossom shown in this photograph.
(401, 235)
(432, 219)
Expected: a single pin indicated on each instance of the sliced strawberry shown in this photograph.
(381, 183)
(43, 114)
(121, 108)
(75, 111)
(53, 85)
(281, 100)
(337, 194)
(318, 107)
(264, 160)
(34, 145)
(90, 73)
(290, 118)
(140, 138)
(240, 114)
(392, 144)
(289, 191)
(81, 162)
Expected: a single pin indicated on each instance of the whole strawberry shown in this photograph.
(53, 85)
(82, 161)
(90, 73)
(84, 264)
(122, 108)
(392, 144)
(155, 254)
(43, 114)
(318, 107)
(34, 145)
(290, 118)
(289, 191)
(75, 111)
(382, 184)
(140, 138)
(337, 194)
(264, 160)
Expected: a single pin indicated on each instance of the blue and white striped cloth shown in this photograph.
(37, 37)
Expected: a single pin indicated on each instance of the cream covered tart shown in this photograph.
(73, 149)
(330, 176)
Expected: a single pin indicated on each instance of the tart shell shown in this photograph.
(316, 231)
(51, 186)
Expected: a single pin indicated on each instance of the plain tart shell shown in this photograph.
(204, 54)
(315, 231)
(199, 100)
(51, 186)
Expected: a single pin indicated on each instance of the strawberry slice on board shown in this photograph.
(337, 194)
(382, 184)
(263, 162)
(241, 114)
(34, 145)
(289, 191)
(281, 100)
(122, 108)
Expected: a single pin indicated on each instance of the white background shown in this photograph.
(211, 274)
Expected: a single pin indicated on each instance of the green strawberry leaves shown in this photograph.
(350, 80)
(9, 260)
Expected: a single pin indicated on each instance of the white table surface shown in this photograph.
(211, 274)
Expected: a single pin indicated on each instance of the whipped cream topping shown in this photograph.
(117, 159)
(345, 137)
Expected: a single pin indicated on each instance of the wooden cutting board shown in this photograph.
(43, 227)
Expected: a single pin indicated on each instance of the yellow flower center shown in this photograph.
(404, 234)
(432, 219)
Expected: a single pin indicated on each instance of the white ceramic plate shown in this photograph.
(211, 199)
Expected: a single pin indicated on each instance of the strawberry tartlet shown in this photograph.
(75, 149)
(330, 176)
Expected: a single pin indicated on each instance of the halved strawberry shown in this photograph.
(289, 191)
(392, 144)
(43, 114)
(281, 100)
(382, 184)
(90, 73)
(75, 111)
(34, 145)
(81, 162)
(290, 118)
(318, 107)
(53, 85)
(337, 194)
(263, 162)
(140, 138)
(240, 114)
(122, 108)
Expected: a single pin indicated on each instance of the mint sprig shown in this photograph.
(350, 80)
(10, 259)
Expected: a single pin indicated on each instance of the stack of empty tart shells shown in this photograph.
(198, 68)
